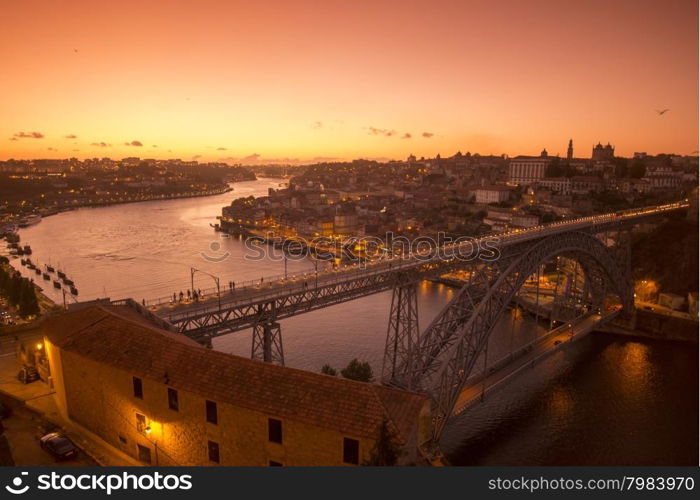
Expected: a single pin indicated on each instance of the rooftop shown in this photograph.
(112, 336)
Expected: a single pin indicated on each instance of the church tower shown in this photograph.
(570, 150)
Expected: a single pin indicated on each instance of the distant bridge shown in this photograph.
(439, 360)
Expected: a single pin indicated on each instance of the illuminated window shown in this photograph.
(351, 451)
(212, 412)
(274, 430)
(140, 422)
(213, 451)
(138, 388)
(173, 403)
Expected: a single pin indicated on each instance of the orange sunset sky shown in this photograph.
(301, 80)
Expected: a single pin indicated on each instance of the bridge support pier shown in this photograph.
(402, 335)
(267, 342)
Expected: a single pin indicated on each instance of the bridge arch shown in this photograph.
(451, 345)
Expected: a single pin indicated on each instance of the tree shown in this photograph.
(329, 370)
(387, 449)
(357, 370)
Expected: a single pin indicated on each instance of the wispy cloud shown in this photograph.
(317, 125)
(406, 136)
(253, 157)
(29, 135)
(381, 131)
(101, 144)
(70, 136)
(52, 149)
(221, 148)
(428, 135)
(134, 143)
(196, 157)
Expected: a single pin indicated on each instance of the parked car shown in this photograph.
(59, 446)
(27, 374)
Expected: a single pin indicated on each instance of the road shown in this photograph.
(540, 348)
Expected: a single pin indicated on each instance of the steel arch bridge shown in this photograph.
(441, 359)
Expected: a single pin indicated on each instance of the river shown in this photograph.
(146, 250)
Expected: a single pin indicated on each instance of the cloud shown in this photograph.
(221, 148)
(406, 136)
(317, 125)
(381, 131)
(14, 139)
(196, 157)
(155, 146)
(70, 136)
(76, 150)
(253, 157)
(428, 135)
(134, 143)
(52, 149)
(101, 144)
(29, 135)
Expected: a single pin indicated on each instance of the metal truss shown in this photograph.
(403, 331)
(267, 343)
(205, 322)
(453, 342)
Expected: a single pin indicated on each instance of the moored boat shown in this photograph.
(29, 220)
(56, 284)
(46, 276)
(73, 290)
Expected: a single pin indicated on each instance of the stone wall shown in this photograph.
(100, 398)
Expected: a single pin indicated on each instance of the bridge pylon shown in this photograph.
(402, 336)
(267, 343)
(267, 339)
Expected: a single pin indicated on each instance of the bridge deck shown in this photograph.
(270, 290)
(543, 347)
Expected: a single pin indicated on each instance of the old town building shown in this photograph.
(164, 399)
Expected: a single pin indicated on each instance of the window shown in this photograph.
(140, 422)
(144, 454)
(212, 412)
(138, 388)
(275, 464)
(213, 451)
(172, 399)
(351, 451)
(274, 430)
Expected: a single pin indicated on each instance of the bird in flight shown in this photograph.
(662, 111)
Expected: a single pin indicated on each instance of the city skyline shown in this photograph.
(296, 84)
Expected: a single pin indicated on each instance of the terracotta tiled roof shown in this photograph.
(352, 408)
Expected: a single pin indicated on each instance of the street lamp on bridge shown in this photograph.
(215, 278)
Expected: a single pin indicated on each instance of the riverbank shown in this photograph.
(105, 203)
